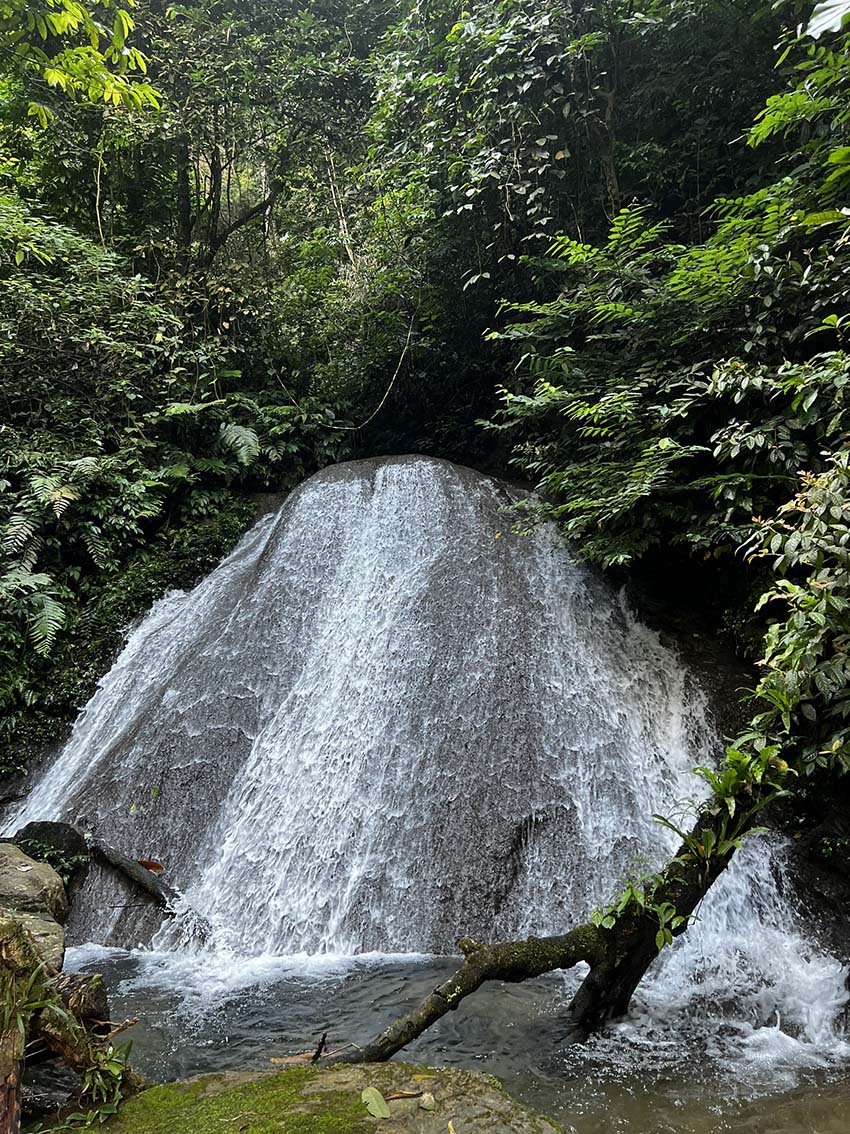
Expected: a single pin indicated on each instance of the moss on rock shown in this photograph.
(308, 1100)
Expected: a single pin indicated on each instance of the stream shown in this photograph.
(665, 1070)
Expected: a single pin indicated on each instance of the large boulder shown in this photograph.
(33, 893)
(62, 846)
(307, 1100)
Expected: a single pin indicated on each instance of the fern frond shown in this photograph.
(96, 547)
(181, 409)
(83, 469)
(18, 532)
(19, 580)
(45, 619)
(30, 554)
(209, 464)
(43, 487)
(62, 497)
(241, 441)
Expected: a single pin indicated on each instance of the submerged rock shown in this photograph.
(307, 1100)
(34, 895)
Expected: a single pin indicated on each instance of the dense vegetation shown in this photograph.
(604, 245)
(231, 233)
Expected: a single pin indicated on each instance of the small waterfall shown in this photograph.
(386, 719)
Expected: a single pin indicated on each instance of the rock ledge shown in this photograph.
(306, 1100)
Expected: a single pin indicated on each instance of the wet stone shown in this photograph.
(305, 1100)
(32, 892)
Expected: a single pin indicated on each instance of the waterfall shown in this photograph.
(385, 719)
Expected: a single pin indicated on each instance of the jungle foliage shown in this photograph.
(239, 240)
(695, 396)
(603, 245)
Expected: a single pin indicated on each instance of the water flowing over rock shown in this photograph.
(383, 719)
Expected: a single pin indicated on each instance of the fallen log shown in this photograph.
(510, 961)
(163, 895)
(619, 948)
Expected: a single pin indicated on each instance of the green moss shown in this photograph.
(262, 1104)
(307, 1100)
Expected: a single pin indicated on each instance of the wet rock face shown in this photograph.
(819, 871)
(33, 893)
(309, 1101)
(295, 739)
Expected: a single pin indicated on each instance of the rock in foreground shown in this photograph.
(32, 892)
(306, 1100)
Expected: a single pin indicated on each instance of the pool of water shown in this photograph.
(684, 1071)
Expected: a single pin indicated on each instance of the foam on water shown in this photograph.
(202, 982)
(386, 718)
(744, 989)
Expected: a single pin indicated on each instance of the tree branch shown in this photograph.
(619, 954)
(219, 239)
(509, 961)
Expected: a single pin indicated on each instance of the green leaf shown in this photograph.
(179, 409)
(375, 1102)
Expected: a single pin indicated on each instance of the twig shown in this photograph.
(122, 1027)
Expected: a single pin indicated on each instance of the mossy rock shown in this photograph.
(306, 1100)
(32, 893)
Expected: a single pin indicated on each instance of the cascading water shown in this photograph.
(386, 719)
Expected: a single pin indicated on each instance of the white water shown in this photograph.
(384, 719)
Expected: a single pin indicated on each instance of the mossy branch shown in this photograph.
(618, 952)
(509, 961)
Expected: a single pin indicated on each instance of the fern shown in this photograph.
(19, 531)
(43, 487)
(96, 547)
(61, 497)
(29, 556)
(45, 619)
(183, 409)
(84, 468)
(18, 580)
(241, 441)
(209, 464)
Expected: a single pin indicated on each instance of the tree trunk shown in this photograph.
(11, 1064)
(184, 202)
